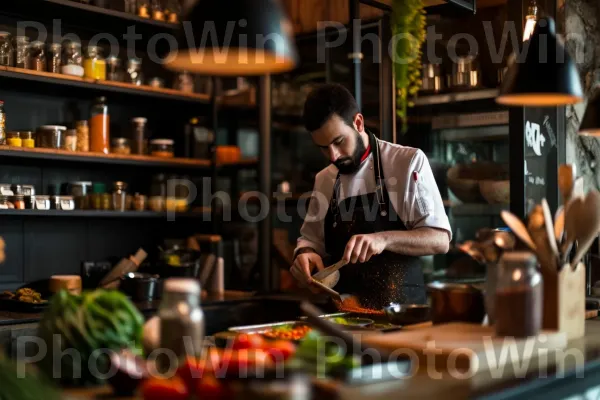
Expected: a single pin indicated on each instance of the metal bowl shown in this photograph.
(407, 314)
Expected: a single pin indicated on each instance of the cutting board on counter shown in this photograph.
(465, 348)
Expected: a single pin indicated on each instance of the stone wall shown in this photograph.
(579, 22)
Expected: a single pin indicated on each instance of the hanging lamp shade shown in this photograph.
(590, 125)
(244, 37)
(547, 77)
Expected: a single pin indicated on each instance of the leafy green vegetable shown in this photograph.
(91, 324)
(321, 356)
(21, 382)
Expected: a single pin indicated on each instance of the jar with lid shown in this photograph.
(37, 56)
(70, 142)
(99, 127)
(143, 8)
(158, 193)
(94, 65)
(140, 143)
(120, 146)
(118, 196)
(139, 202)
(6, 49)
(184, 82)
(13, 139)
(519, 295)
(22, 52)
(51, 136)
(3, 202)
(83, 135)
(27, 139)
(158, 13)
(100, 199)
(81, 192)
(134, 71)
(162, 148)
(18, 201)
(113, 66)
(181, 319)
(73, 59)
(172, 11)
(54, 58)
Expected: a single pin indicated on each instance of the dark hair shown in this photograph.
(325, 101)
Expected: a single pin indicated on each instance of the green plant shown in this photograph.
(408, 28)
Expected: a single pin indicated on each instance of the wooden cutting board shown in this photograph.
(465, 348)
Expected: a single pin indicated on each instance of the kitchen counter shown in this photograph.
(577, 376)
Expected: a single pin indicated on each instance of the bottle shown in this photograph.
(157, 11)
(140, 143)
(99, 127)
(181, 319)
(518, 303)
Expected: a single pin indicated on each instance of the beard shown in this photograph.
(349, 165)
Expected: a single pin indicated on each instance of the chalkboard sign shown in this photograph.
(542, 138)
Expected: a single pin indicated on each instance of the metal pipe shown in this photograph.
(356, 55)
(268, 277)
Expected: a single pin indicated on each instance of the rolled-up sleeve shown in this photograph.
(423, 203)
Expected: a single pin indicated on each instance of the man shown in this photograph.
(376, 206)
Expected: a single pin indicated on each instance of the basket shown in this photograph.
(463, 179)
(495, 192)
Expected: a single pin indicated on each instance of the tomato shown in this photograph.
(190, 371)
(248, 341)
(248, 362)
(209, 388)
(160, 389)
(280, 350)
(211, 359)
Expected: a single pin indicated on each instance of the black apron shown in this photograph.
(387, 277)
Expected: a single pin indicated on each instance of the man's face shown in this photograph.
(340, 143)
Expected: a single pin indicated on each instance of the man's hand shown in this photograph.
(303, 266)
(361, 248)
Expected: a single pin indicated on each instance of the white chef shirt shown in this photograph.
(409, 181)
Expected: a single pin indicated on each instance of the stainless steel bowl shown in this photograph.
(407, 314)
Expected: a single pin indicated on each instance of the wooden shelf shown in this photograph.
(456, 97)
(103, 214)
(463, 209)
(119, 159)
(101, 85)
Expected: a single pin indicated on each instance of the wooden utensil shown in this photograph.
(572, 211)
(518, 228)
(566, 180)
(559, 224)
(537, 230)
(587, 228)
(329, 270)
(550, 230)
(326, 289)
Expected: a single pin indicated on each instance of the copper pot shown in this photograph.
(456, 302)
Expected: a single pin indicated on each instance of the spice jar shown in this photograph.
(73, 60)
(83, 135)
(113, 65)
(134, 71)
(139, 202)
(94, 66)
(100, 199)
(120, 146)
(27, 139)
(3, 202)
(54, 58)
(172, 11)
(70, 142)
(6, 50)
(140, 143)
(51, 136)
(13, 139)
(118, 196)
(157, 11)
(184, 82)
(518, 305)
(22, 52)
(81, 192)
(99, 127)
(37, 56)
(156, 83)
(162, 148)
(143, 9)
(18, 201)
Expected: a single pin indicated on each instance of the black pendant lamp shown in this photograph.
(547, 77)
(590, 125)
(244, 37)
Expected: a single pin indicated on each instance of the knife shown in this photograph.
(329, 270)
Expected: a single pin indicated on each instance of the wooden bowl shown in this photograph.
(463, 179)
(495, 192)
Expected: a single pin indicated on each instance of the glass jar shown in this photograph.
(156, 83)
(22, 52)
(158, 193)
(6, 50)
(181, 319)
(172, 11)
(130, 6)
(37, 56)
(100, 199)
(162, 148)
(13, 139)
(99, 127)
(113, 69)
(70, 142)
(120, 146)
(143, 9)
(119, 195)
(519, 295)
(134, 71)
(140, 143)
(54, 58)
(3, 202)
(184, 82)
(158, 13)
(139, 202)
(94, 65)
(83, 135)
(18, 201)
(72, 59)
(51, 136)
(27, 139)
(81, 192)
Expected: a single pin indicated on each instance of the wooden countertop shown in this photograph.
(539, 376)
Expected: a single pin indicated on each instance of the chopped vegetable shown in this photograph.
(320, 355)
(288, 332)
(160, 389)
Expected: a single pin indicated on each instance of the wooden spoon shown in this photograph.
(550, 230)
(539, 235)
(518, 228)
(588, 227)
(566, 179)
(559, 223)
(572, 212)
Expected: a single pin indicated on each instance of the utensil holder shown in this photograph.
(564, 300)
